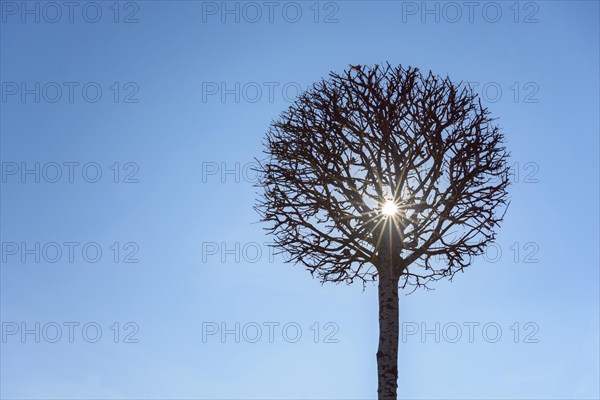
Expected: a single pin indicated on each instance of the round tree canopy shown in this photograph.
(381, 165)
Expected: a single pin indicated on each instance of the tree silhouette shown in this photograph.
(384, 173)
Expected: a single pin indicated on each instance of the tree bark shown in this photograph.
(387, 353)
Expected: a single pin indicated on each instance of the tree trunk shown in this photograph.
(387, 353)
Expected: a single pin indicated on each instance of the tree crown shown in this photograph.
(391, 138)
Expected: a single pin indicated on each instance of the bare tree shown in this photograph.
(384, 173)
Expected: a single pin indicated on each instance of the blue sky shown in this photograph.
(186, 95)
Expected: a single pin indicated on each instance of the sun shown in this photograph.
(389, 208)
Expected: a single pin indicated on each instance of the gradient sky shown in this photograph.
(180, 106)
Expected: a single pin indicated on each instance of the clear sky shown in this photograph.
(170, 104)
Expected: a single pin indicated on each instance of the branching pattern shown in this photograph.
(373, 134)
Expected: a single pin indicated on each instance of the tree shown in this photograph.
(384, 173)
